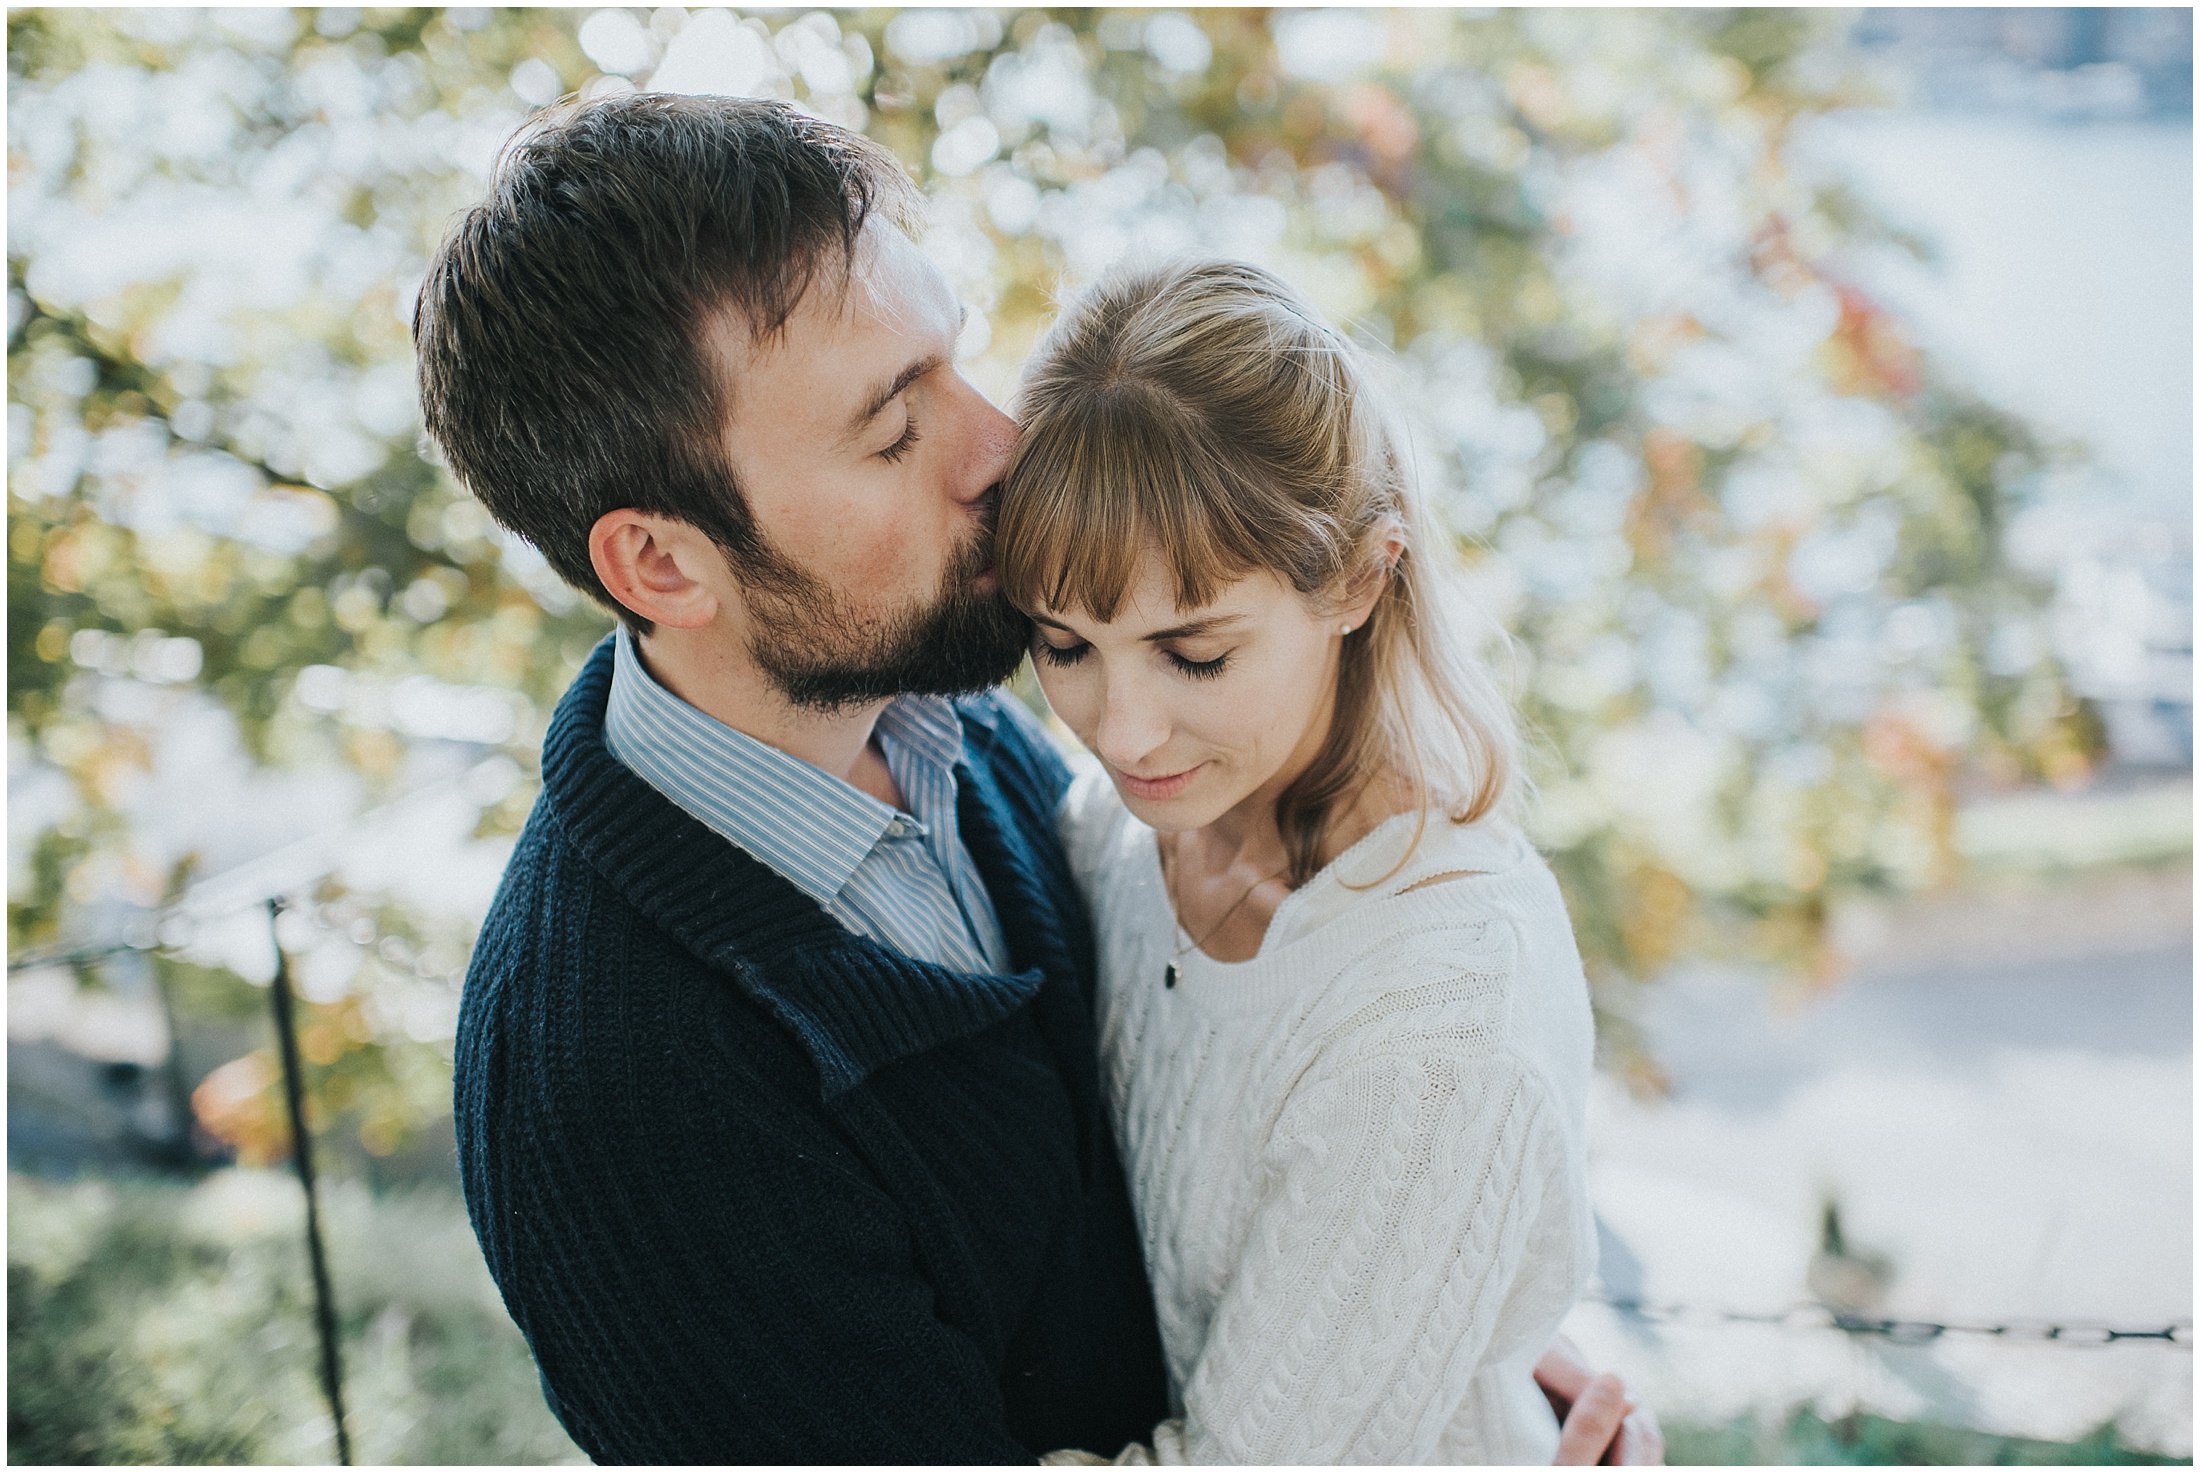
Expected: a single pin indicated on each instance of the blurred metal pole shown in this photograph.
(179, 1150)
(301, 1155)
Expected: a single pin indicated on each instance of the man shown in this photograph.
(776, 1092)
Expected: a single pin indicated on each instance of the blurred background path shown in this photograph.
(1999, 1104)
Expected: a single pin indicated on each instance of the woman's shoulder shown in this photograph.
(1096, 828)
(1465, 874)
(1458, 940)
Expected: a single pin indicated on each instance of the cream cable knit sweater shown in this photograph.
(1357, 1158)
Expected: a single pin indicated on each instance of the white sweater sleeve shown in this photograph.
(1398, 1192)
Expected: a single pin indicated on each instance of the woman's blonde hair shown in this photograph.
(1202, 411)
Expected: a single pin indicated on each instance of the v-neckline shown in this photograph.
(1326, 873)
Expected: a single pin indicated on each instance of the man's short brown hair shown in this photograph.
(560, 329)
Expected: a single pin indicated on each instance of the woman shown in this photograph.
(1347, 1036)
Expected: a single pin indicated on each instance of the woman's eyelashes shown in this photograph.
(1060, 655)
(1198, 669)
(893, 453)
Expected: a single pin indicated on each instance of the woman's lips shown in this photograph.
(1157, 789)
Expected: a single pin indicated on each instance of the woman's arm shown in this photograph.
(1400, 1194)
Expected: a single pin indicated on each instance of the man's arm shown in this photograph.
(707, 1274)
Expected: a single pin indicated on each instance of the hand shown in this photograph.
(1598, 1422)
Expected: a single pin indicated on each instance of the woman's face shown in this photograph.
(1195, 711)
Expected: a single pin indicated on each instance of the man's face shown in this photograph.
(869, 465)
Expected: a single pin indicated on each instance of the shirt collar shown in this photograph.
(924, 727)
(805, 823)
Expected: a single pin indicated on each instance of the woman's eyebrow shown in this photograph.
(1192, 630)
(1196, 627)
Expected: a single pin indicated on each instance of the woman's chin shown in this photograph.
(1185, 810)
(1156, 816)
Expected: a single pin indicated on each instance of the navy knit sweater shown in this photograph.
(760, 1190)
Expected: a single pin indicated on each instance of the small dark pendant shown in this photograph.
(1168, 975)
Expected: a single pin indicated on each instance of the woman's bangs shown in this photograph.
(1079, 511)
(1065, 543)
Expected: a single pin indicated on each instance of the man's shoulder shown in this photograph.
(1008, 736)
(585, 972)
(998, 711)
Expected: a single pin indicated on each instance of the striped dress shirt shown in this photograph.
(901, 878)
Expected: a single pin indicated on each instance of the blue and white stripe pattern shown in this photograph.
(899, 878)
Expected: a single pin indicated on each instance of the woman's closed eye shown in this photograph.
(1198, 669)
(1060, 654)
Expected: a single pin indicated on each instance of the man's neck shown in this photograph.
(717, 677)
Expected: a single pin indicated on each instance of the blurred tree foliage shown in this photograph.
(1748, 538)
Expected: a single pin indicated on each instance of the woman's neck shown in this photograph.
(1245, 837)
(1249, 837)
(1227, 880)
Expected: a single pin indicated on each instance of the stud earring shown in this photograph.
(1347, 629)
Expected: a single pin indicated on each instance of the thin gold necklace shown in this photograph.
(1169, 973)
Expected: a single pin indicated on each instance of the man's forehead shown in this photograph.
(886, 287)
(891, 279)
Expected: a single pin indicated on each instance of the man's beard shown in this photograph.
(825, 658)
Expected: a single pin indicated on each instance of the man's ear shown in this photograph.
(655, 566)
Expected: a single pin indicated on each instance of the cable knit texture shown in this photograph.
(1357, 1158)
(760, 1190)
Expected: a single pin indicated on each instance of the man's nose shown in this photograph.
(991, 443)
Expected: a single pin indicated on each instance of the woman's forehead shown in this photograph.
(1150, 600)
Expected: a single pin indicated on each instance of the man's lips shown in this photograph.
(1157, 789)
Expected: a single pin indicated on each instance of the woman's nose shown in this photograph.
(1132, 726)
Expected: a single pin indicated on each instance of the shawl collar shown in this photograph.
(1034, 894)
(854, 1004)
